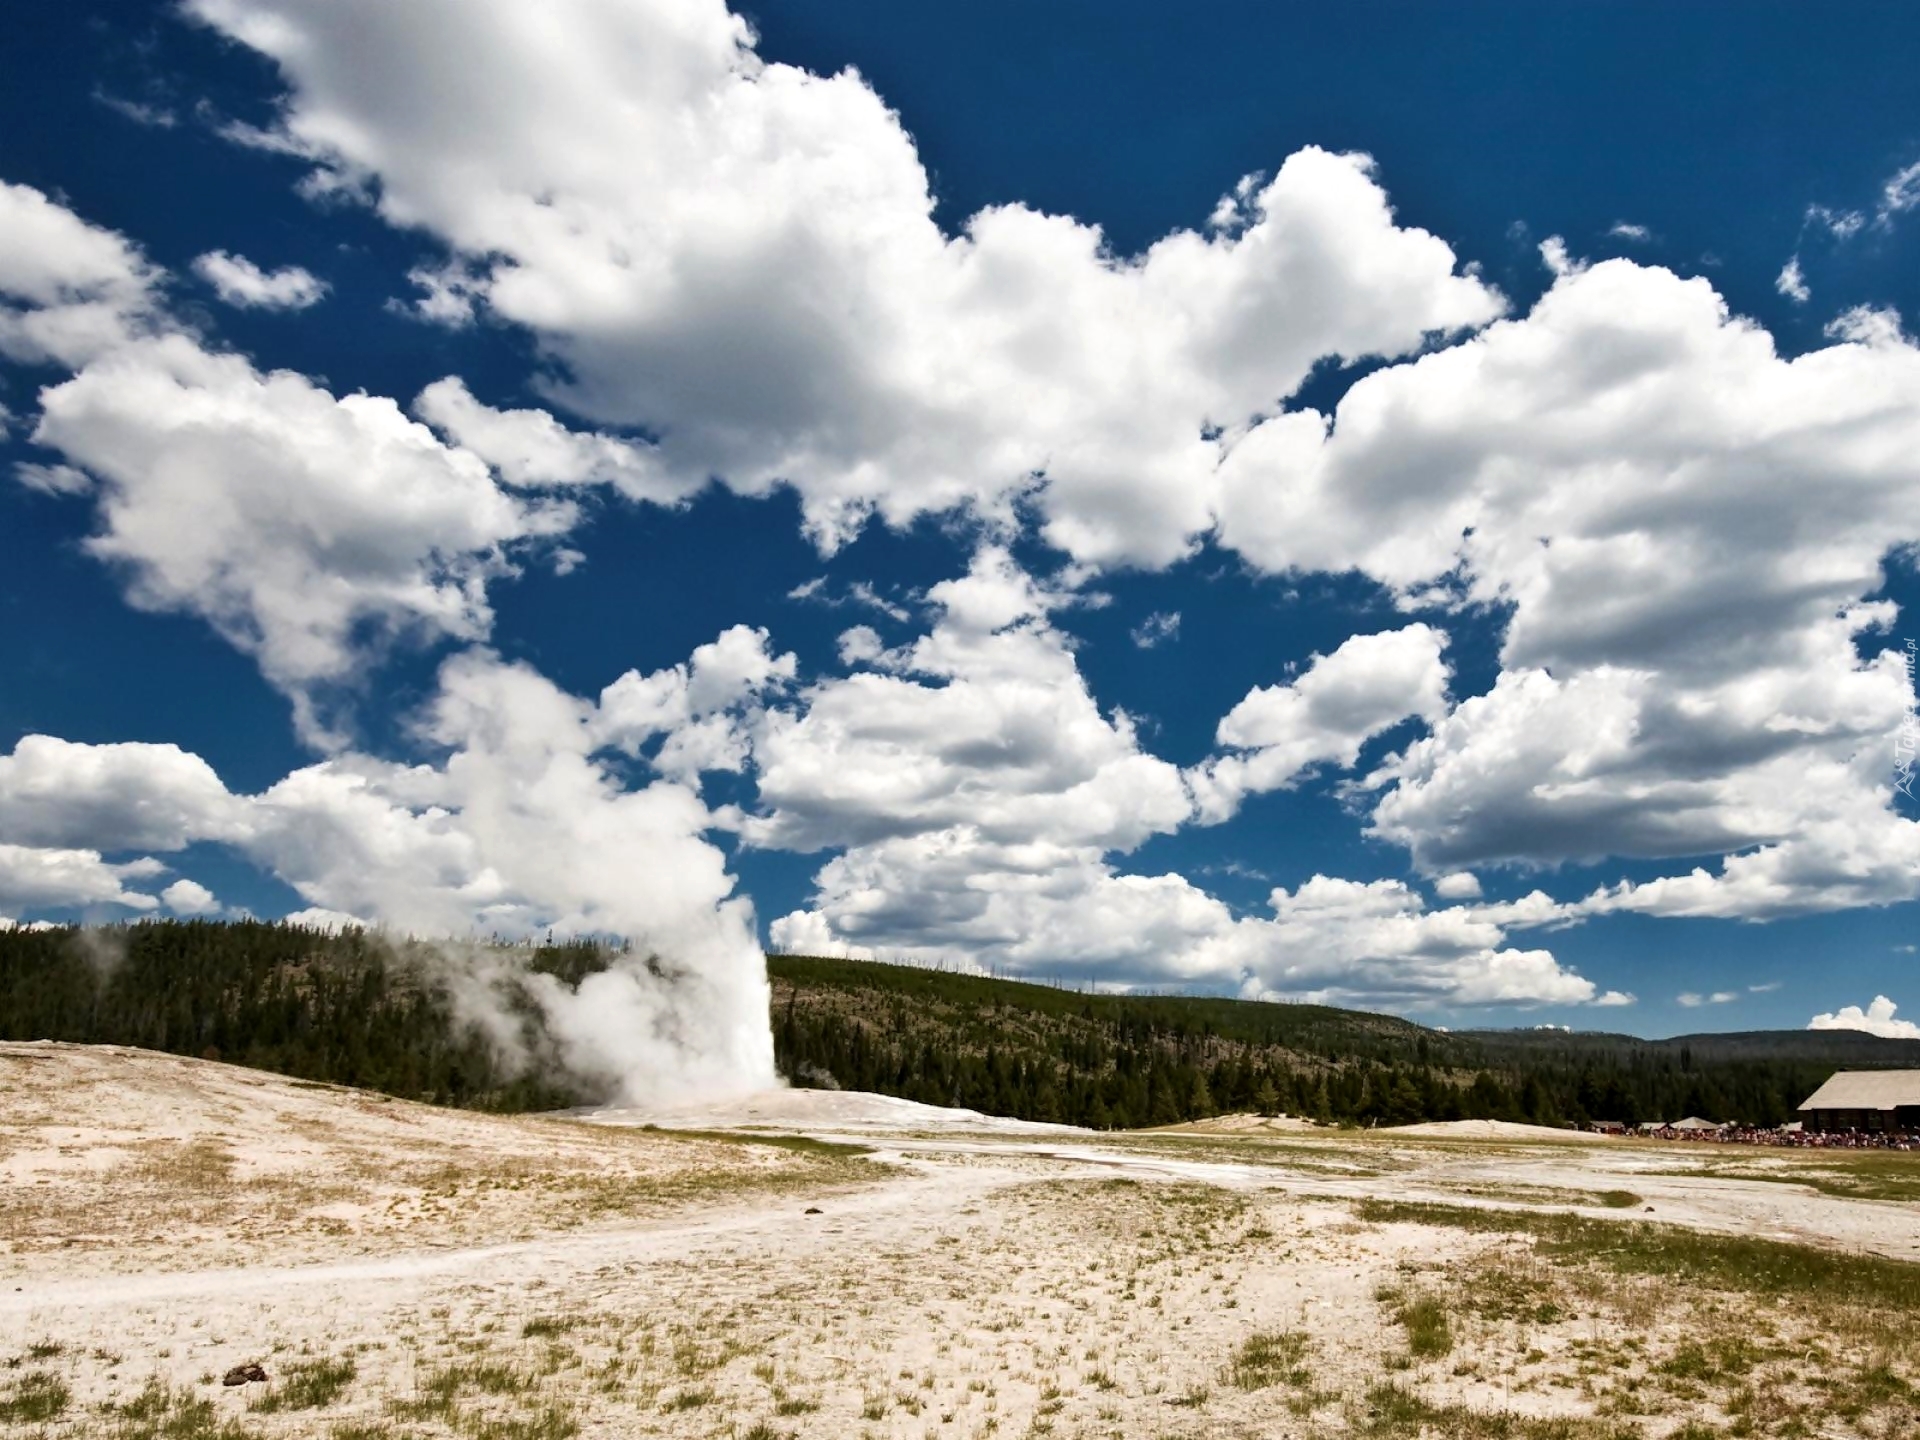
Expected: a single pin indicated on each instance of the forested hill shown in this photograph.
(370, 1011)
(1044, 1053)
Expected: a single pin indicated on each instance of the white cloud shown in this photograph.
(124, 797)
(1340, 940)
(1841, 224)
(518, 827)
(33, 877)
(153, 117)
(189, 897)
(241, 283)
(1874, 326)
(740, 257)
(1901, 192)
(1277, 733)
(68, 290)
(301, 526)
(52, 479)
(1624, 230)
(308, 529)
(1877, 1019)
(1160, 626)
(1792, 282)
(1693, 1001)
(1459, 885)
(1682, 527)
(705, 708)
(979, 797)
(860, 645)
(988, 728)
(531, 448)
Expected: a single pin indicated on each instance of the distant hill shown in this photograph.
(1039, 1052)
(1833, 1048)
(363, 1010)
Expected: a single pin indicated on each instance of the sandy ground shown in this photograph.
(407, 1271)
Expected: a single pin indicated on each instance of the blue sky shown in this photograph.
(1467, 581)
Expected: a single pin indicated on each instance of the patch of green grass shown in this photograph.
(547, 1327)
(307, 1385)
(161, 1413)
(1737, 1263)
(798, 1144)
(1393, 1411)
(691, 1399)
(551, 1423)
(1267, 1358)
(1618, 1199)
(438, 1394)
(1856, 1175)
(33, 1399)
(1425, 1319)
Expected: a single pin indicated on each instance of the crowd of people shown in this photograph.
(1789, 1135)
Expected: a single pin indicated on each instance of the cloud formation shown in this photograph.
(241, 283)
(730, 270)
(741, 258)
(1280, 732)
(1876, 1019)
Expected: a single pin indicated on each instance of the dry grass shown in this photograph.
(1000, 1295)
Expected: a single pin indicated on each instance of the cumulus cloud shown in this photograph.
(704, 709)
(1341, 940)
(68, 290)
(979, 798)
(1876, 1019)
(1626, 230)
(45, 877)
(1279, 732)
(302, 526)
(307, 528)
(133, 796)
(987, 728)
(1682, 527)
(1676, 528)
(189, 897)
(241, 283)
(531, 448)
(740, 257)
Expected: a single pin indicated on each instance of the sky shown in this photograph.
(1355, 503)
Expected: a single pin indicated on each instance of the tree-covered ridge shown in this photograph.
(1043, 1053)
(375, 1011)
(354, 1008)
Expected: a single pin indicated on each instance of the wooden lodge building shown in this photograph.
(1865, 1100)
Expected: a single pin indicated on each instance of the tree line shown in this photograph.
(376, 1011)
(1039, 1053)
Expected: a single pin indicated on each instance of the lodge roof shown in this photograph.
(1867, 1090)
